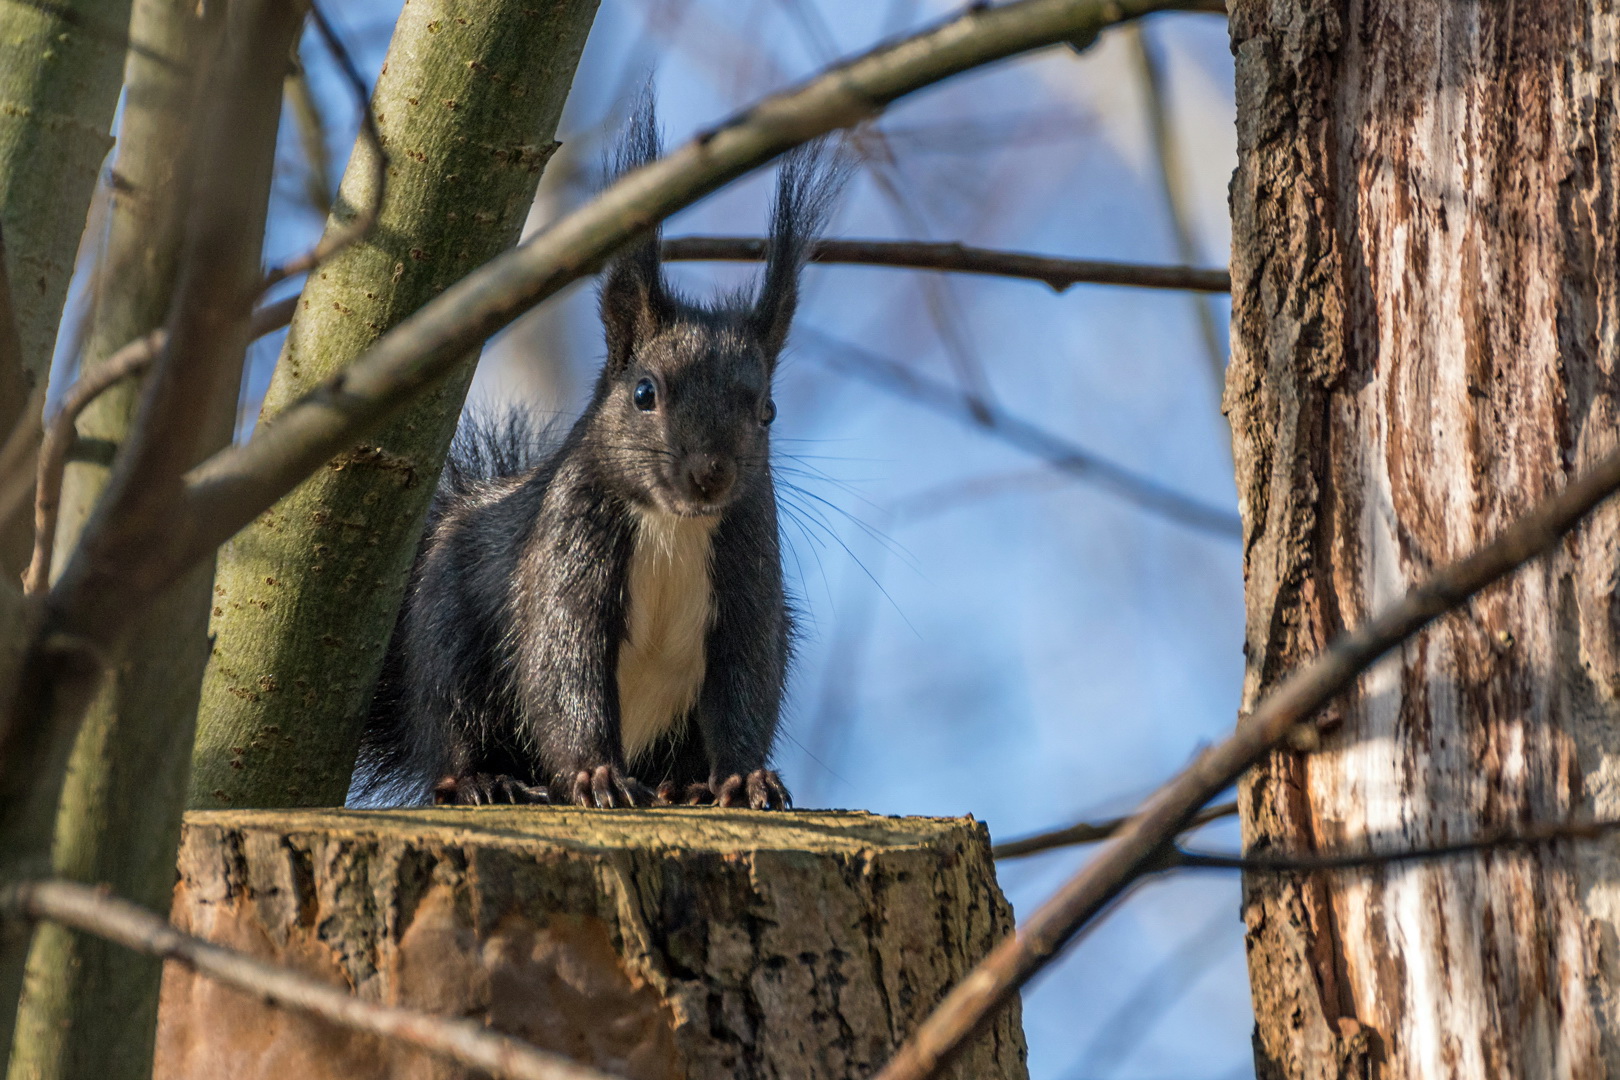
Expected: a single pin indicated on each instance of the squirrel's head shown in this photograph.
(683, 408)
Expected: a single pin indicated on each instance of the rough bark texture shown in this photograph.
(652, 944)
(1424, 342)
(306, 596)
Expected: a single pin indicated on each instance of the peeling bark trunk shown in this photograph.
(1424, 343)
(651, 944)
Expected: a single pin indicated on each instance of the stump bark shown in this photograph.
(653, 944)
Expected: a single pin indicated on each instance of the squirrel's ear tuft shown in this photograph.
(635, 302)
(807, 185)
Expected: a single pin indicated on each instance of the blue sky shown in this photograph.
(980, 634)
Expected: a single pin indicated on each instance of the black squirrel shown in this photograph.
(605, 623)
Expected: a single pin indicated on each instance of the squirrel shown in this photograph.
(605, 623)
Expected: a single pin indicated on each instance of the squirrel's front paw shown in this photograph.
(483, 789)
(606, 787)
(672, 794)
(761, 789)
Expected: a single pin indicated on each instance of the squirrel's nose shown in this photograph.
(710, 476)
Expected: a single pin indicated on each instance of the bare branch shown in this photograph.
(1504, 838)
(1208, 7)
(1060, 274)
(132, 359)
(1093, 832)
(208, 326)
(268, 318)
(236, 485)
(1177, 199)
(1148, 494)
(1140, 845)
(311, 128)
(341, 236)
(464, 1042)
(1122, 1031)
(17, 462)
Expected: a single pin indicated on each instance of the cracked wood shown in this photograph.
(650, 944)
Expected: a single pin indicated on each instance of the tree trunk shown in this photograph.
(306, 596)
(75, 825)
(60, 70)
(1424, 343)
(651, 944)
(91, 1007)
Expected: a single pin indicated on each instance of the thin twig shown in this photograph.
(311, 128)
(1140, 846)
(133, 359)
(465, 1042)
(1060, 274)
(883, 167)
(340, 237)
(236, 485)
(1121, 1031)
(268, 318)
(877, 155)
(1146, 493)
(1499, 839)
(1092, 832)
(1173, 184)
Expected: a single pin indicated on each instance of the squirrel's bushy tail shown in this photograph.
(490, 445)
(495, 444)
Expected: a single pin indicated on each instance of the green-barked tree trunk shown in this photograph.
(64, 1023)
(60, 69)
(306, 596)
(91, 1007)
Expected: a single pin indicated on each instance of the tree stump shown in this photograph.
(654, 944)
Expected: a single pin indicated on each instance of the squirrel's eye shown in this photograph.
(770, 412)
(645, 395)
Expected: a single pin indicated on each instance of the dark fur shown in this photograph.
(500, 684)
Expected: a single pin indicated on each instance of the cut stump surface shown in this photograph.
(654, 944)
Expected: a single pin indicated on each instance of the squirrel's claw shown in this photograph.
(486, 789)
(606, 787)
(761, 789)
(672, 794)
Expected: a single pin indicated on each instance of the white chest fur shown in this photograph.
(669, 606)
